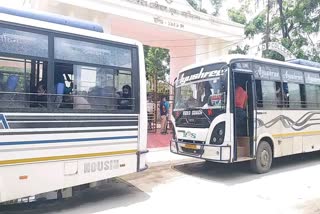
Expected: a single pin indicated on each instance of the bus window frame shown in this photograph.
(135, 74)
(303, 103)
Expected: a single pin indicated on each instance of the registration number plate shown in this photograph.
(190, 146)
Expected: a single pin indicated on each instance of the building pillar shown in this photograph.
(182, 54)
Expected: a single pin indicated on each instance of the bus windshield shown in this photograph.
(202, 94)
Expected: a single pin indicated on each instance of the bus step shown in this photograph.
(243, 145)
(243, 141)
(243, 151)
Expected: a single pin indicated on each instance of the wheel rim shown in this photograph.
(265, 158)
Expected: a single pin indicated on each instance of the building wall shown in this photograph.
(137, 21)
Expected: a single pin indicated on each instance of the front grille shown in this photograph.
(194, 122)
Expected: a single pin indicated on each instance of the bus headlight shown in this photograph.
(217, 136)
(214, 140)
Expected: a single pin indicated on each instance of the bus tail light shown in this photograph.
(218, 133)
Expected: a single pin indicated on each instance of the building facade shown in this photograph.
(191, 36)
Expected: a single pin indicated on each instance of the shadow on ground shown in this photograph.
(231, 174)
(111, 194)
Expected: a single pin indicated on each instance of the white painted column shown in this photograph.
(181, 57)
(208, 48)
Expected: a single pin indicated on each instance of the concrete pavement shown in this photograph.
(163, 156)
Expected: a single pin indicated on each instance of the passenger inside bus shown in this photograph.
(40, 98)
(125, 101)
(62, 71)
(241, 99)
(279, 95)
(282, 94)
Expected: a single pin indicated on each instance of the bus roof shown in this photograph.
(53, 18)
(43, 24)
(229, 58)
(305, 62)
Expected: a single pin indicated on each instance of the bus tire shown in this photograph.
(262, 162)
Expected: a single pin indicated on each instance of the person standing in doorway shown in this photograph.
(163, 114)
(241, 103)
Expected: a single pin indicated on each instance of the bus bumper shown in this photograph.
(202, 151)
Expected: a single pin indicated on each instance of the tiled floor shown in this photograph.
(157, 140)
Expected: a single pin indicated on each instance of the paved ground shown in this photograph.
(157, 140)
(293, 186)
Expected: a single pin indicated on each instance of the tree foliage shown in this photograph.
(240, 50)
(293, 23)
(157, 62)
(256, 25)
(237, 15)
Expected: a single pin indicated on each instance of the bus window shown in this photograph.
(312, 96)
(94, 88)
(283, 94)
(303, 95)
(13, 75)
(38, 84)
(269, 94)
(122, 78)
(103, 83)
(123, 84)
(259, 94)
(23, 83)
(292, 95)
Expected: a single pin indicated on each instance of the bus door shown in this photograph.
(243, 108)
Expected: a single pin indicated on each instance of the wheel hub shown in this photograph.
(264, 159)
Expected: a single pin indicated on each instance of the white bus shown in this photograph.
(72, 104)
(281, 115)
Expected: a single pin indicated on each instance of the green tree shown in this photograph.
(157, 62)
(240, 50)
(256, 25)
(292, 23)
(237, 15)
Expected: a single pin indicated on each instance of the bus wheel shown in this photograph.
(263, 161)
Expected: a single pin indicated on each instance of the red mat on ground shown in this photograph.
(157, 140)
